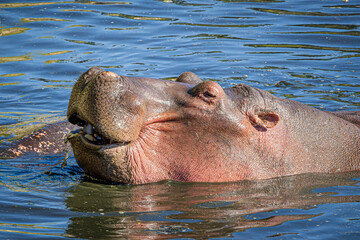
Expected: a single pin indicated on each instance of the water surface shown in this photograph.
(308, 51)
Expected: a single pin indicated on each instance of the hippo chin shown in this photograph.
(140, 130)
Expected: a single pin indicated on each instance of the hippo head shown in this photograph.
(139, 130)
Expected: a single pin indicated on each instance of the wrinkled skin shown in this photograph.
(140, 130)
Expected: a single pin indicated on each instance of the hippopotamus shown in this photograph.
(136, 130)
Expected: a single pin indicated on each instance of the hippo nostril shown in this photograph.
(106, 76)
(94, 70)
(88, 75)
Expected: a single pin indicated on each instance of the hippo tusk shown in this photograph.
(89, 129)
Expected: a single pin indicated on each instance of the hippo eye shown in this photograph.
(209, 91)
(208, 94)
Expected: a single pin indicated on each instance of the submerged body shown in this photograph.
(139, 130)
(47, 140)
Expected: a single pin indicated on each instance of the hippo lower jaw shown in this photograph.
(107, 162)
(100, 157)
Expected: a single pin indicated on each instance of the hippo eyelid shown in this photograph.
(208, 94)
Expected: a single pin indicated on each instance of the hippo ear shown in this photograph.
(210, 92)
(264, 120)
(189, 77)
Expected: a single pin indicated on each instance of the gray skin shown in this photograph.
(351, 116)
(140, 130)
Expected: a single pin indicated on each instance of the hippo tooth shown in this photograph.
(90, 137)
(89, 129)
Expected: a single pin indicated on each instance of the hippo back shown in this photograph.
(47, 140)
(350, 116)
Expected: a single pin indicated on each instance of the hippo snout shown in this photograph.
(102, 103)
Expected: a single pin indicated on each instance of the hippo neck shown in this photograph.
(304, 135)
(319, 136)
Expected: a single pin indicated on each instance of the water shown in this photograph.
(305, 50)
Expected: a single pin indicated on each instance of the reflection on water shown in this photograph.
(209, 210)
(139, 17)
(302, 46)
(307, 51)
(28, 20)
(12, 31)
(307, 13)
(302, 205)
(25, 57)
(19, 5)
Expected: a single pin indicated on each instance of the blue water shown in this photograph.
(308, 51)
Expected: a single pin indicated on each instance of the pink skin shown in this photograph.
(191, 130)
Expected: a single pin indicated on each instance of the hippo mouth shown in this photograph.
(100, 157)
(90, 136)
